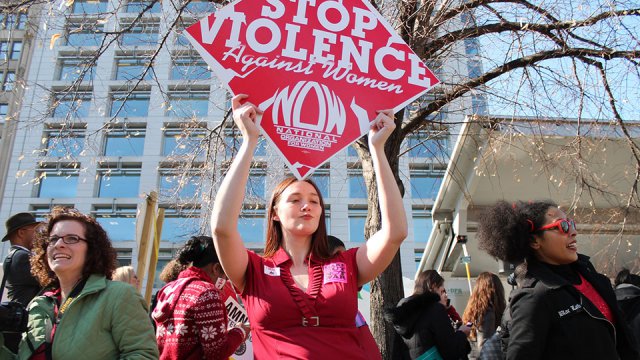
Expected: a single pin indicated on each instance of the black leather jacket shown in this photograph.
(551, 319)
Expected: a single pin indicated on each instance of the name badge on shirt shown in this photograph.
(335, 273)
(272, 271)
(220, 283)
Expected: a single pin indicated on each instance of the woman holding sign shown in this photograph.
(301, 300)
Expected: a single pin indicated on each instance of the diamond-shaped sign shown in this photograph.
(318, 69)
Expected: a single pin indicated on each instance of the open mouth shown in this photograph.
(573, 246)
(61, 256)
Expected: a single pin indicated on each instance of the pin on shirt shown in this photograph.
(272, 271)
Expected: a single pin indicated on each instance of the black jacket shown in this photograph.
(628, 297)
(552, 320)
(422, 323)
(21, 285)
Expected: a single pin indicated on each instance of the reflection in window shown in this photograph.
(77, 35)
(357, 188)
(180, 225)
(132, 68)
(233, 140)
(321, 178)
(256, 184)
(63, 142)
(139, 34)
(176, 183)
(188, 104)
(251, 225)
(130, 104)
(425, 184)
(183, 142)
(89, 7)
(40, 212)
(70, 69)
(428, 145)
(118, 221)
(127, 141)
(357, 220)
(200, 7)
(137, 6)
(422, 225)
(71, 106)
(13, 21)
(119, 181)
(58, 181)
(190, 68)
(9, 80)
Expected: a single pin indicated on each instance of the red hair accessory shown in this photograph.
(530, 225)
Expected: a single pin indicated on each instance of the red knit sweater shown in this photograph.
(192, 320)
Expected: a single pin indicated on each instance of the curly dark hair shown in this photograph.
(199, 251)
(101, 256)
(171, 271)
(506, 230)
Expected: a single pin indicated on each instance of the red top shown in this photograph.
(192, 320)
(276, 308)
(590, 292)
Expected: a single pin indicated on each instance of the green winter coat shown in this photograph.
(108, 320)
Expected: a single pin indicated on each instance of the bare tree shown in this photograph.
(519, 58)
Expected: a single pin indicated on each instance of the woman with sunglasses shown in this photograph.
(82, 314)
(563, 308)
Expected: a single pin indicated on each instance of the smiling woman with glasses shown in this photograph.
(81, 313)
(563, 308)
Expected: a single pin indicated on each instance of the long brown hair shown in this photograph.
(319, 246)
(427, 281)
(488, 292)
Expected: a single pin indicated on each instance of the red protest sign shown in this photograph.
(318, 69)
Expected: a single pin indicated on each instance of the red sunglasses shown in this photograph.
(564, 225)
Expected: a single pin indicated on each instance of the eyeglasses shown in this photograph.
(67, 239)
(564, 225)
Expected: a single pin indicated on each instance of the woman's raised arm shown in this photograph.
(228, 202)
(377, 252)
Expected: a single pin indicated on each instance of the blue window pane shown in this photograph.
(119, 185)
(256, 186)
(181, 40)
(190, 69)
(322, 181)
(351, 151)
(22, 22)
(356, 228)
(85, 38)
(185, 187)
(136, 6)
(73, 69)
(140, 35)
(133, 68)
(133, 106)
(179, 229)
(200, 7)
(425, 186)
(58, 186)
(422, 226)
(71, 107)
(251, 229)
(119, 227)
(89, 7)
(175, 143)
(357, 188)
(124, 145)
(61, 145)
(436, 147)
(188, 105)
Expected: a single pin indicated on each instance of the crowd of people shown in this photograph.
(301, 293)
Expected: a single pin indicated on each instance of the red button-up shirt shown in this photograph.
(277, 326)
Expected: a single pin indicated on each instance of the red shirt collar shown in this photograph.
(281, 257)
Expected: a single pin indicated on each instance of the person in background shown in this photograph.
(127, 275)
(171, 271)
(82, 314)
(191, 318)
(302, 300)
(367, 342)
(627, 289)
(485, 308)
(424, 325)
(563, 308)
(22, 286)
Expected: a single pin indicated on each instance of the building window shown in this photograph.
(187, 141)
(60, 142)
(233, 140)
(417, 256)
(124, 141)
(164, 256)
(123, 256)
(4, 111)
(134, 104)
(176, 183)
(58, 181)
(79, 35)
(71, 106)
(40, 212)
(200, 7)
(251, 225)
(428, 145)
(139, 34)
(472, 46)
(425, 184)
(322, 180)
(190, 68)
(13, 21)
(71, 69)
(89, 7)
(475, 68)
(119, 221)
(422, 225)
(357, 220)
(132, 68)
(137, 6)
(188, 104)
(10, 50)
(119, 181)
(357, 187)
(180, 225)
(8, 81)
(256, 184)
(478, 104)
(182, 40)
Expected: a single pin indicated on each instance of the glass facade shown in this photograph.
(124, 141)
(134, 104)
(119, 182)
